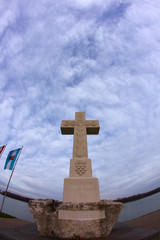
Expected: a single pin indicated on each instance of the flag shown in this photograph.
(11, 159)
(2, 149)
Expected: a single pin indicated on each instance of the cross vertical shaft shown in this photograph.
(80, 148)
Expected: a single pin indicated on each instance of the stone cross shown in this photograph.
(80, 128)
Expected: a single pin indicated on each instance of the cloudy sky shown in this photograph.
(98, 57)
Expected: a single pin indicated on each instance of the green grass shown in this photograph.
(3, 215)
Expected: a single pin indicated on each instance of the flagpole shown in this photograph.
(10, 179)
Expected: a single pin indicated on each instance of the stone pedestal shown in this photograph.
(62, 220)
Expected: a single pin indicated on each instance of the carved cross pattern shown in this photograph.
(80, 167)
(80, 128)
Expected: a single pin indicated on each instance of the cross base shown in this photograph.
(81, 189)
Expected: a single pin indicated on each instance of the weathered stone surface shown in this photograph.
(45, 215)
(62, 220)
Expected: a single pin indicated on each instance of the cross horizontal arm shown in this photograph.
(67, 127)
(92, 126)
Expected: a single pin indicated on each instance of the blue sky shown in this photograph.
(61, 57)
